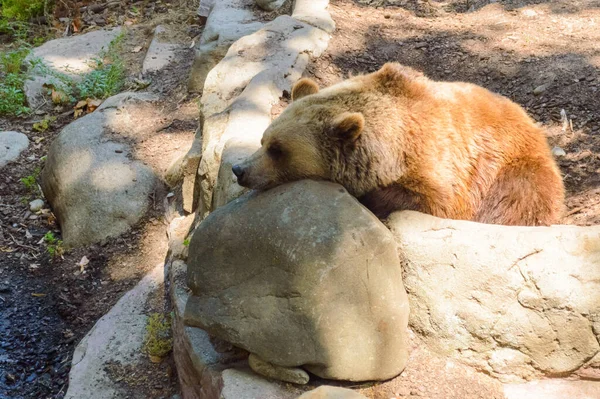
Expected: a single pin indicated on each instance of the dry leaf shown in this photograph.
(28, 235)
(92, 104)
(83, 263)
(59, 97)
(38, 295)
(137, 49)
(77, 24)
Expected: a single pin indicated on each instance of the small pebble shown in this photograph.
(558, 152)
(540, 89)
(36, 205)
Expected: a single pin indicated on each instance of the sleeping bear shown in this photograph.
(397, 140)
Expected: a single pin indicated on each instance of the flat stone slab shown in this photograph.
(327, 392)
(227, 22)
(12, 144)
(117, 337)
(70, 56)
(518, 303)
(553, 389)
(160, 54)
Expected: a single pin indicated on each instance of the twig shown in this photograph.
(22, 245)
(580, 208)
(66, 113)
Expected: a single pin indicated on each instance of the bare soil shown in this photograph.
(47, 305)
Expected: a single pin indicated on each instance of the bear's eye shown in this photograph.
(275, 151)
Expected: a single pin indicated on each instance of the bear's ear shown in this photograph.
(395, 77)
(349, 126)
(304, 87)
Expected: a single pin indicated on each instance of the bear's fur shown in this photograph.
(399, 141)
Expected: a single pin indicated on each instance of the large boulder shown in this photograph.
(301, 275)
(515, 302)
(96, 189)
(12, 144)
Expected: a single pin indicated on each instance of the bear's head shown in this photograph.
(337, 134)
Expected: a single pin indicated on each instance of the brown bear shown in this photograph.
(399, 141)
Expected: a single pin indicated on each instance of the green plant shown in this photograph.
(12, 61)
(23, 10)
(30, 182)
(186, 242)
(103, 82)
(53, 245)
(44, 124)
(158, 342)
(108, 76)
(12, 80)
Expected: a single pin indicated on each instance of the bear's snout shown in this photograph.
(238, 171)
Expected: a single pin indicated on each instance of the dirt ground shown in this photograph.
(511, 47)
(47, 305)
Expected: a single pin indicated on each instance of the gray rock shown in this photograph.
(159, 54)
(243, 384)
(190, 189)
(227, 189)
(327, 392)
(117, 337)
(553, 389)
(541, 89)
(241, 90)
(12, 144)
(515, 302)
(269, 5)
(178, 231)
(202, 362)
(302, 276)
(94, 187)
(558, 152)
(314, 12)
(288, 374)
(227, 22)
(36, 205)
(70, 56)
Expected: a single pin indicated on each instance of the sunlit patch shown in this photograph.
(103, 177)
(75, 166)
